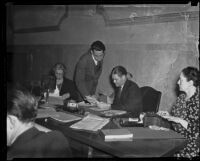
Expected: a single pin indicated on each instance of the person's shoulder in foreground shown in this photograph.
(23, 139)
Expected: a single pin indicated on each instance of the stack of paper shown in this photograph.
(55, 100)
(116, 135)
(91, 122)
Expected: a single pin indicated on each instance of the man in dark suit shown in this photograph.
(24, 140)
(127, 93)
(89, 68)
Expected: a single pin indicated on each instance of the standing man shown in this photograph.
(127, 93)
(88, 69)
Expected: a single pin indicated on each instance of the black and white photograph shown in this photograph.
(102, 80)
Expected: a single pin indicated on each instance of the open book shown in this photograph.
(91, 122)
(116, 135)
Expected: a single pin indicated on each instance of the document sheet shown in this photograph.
(91, 122)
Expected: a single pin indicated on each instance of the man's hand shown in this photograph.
(92, 99)
(103, 105)
(163, 113)
(65, 96)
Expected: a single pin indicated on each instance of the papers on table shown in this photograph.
(113, 112)
(55, 100)
(91, 122)
(59, 116)
(86, 104)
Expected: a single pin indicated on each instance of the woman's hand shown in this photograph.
(163, 113)
(65, 96)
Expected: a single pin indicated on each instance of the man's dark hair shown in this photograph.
(98, 45)
(192, 73)
(21, 104)
(119, 70)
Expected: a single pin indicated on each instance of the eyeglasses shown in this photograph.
(59, 73)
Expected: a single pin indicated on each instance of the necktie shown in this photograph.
(119, 92)
(97, 67)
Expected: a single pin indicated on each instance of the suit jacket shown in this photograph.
(87, 74)
(68, 86)
(130, 99)
(38, 144)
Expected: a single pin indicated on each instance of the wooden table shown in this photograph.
(147, 146)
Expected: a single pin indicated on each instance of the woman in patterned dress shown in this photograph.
(187, 108)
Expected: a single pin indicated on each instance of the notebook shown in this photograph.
(116, 135)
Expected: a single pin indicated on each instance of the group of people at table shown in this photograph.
(24, 140)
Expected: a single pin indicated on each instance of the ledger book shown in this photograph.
(116, 135)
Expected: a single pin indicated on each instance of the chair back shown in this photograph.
(150, 99)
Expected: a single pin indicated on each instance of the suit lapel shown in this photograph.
(124, 89)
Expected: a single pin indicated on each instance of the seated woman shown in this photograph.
(24, 140)
(60, 85)
(187, 108)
